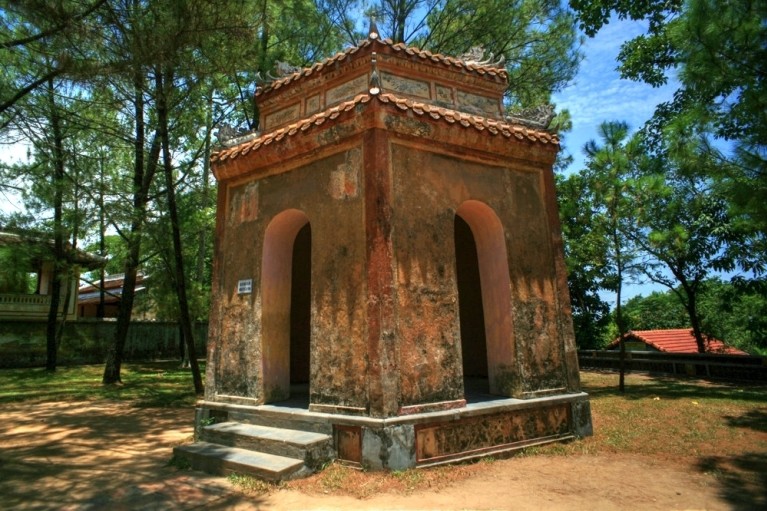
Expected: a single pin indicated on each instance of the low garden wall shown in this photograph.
(704, 365)
(23, 343)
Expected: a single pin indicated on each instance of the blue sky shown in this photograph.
(599, 94)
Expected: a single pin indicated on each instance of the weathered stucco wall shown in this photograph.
(429, 188)
(539, 339)
(329, 193)
(385, 314)
(398, 240)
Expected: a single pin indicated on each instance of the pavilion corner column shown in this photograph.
(383, 359)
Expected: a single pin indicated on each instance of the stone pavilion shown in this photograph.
(389, 287)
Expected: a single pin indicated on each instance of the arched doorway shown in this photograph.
(484, 296)
(286, 304)
(300, 307)
(470, 309)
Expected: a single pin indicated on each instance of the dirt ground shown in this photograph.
(83, 456)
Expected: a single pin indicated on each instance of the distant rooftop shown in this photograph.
(677, 340)
(75, 256)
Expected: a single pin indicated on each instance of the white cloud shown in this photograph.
(598, 93)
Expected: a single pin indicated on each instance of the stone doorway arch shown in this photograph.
(286, 304)
(484, 286)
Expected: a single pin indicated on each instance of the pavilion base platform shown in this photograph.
(230, 436)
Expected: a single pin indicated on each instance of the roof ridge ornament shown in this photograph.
(479, 57)
(229, 136)
(375, 80)
(373, 32)
(282, 69)
(537, 117)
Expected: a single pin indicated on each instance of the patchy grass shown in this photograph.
(722, 427)
(339, 479)
(670, 417)
(251, 485)
(152, 384)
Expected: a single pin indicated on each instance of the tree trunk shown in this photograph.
(619, 315)
(621, 341)
(399, 20)
(205, 199)
(692, 311)
(179, 274)
(141, 182)
(58, 232)
(102, 239)
(70, 273)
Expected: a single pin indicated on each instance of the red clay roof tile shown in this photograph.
(451, 116)
(677, 340)
(398, 47)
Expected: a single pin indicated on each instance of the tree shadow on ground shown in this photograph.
(83, 455)
(742, 479)
(754, 419)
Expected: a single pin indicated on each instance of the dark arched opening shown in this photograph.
(484, 295)
(300, 307)
(471, 312)
(286, 305)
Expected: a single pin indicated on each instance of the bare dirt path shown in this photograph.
(104, 455)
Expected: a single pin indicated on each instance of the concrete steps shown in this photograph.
(280, 417)
(270, 453)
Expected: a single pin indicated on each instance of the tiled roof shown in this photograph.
(113, 288)
(678, 340)
(398, 48)
(85, 259)
(476, 122)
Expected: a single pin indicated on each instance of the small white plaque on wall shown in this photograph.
(245, 287)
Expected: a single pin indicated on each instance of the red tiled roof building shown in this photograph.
(676, 340)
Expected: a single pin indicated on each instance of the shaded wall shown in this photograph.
(23, 343)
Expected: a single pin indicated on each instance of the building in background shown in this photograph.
(676, 340)
(90, 297)
(26, 275)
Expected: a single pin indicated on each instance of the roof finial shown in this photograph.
(375, 80)
(373, 31)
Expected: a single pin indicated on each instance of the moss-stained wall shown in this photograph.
(329, 192)
(535, 302)
(428, 190)
(380, 194)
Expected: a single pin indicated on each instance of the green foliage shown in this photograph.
(728, 312)
(718, 52)
(537, 38)
(585, 257)
(17, 271)
(609, 179)
(659, 310)
(158, 384)
(646, 209)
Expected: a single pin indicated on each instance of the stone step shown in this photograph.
(313, 448)
(224, 460)
(277, 417)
